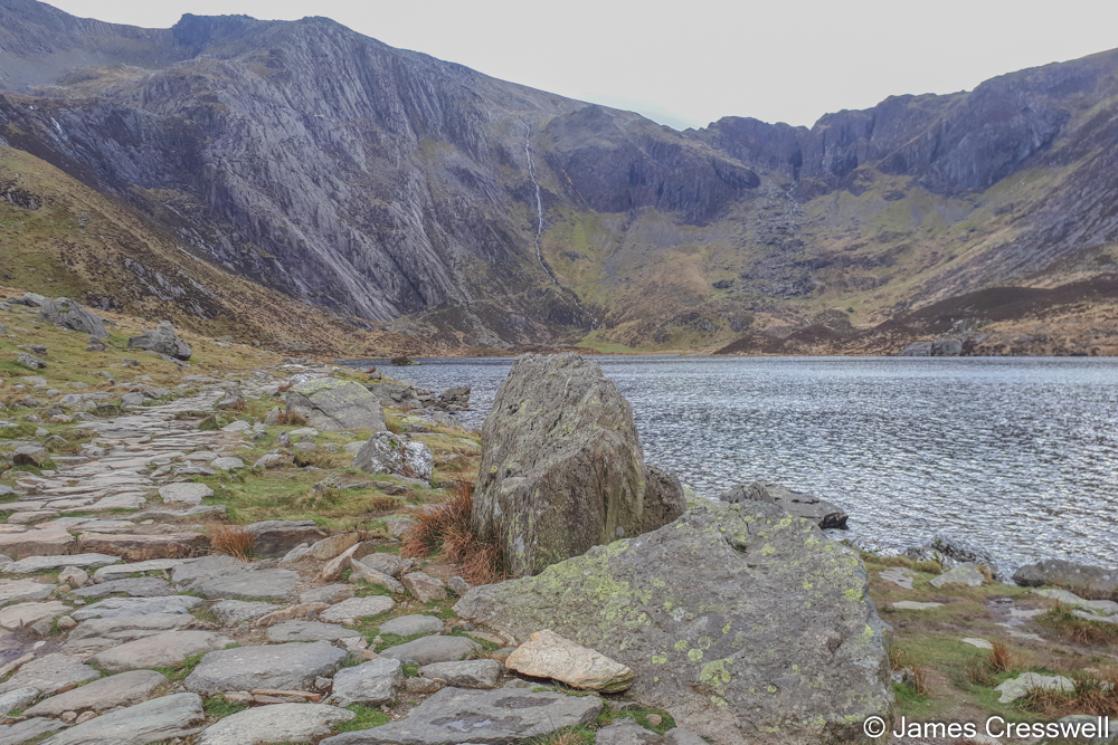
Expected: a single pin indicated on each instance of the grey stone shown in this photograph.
(161, 650)
(115, 606)
(1015, 688)
(465, 673)
(227, 463)
(352, 609)
(458, 715)
(1091, 582)
(36, 564)
(277, 537)
(28, 730)
(360, 572)
(157, 720)
(429, 649)
(106, 573)
(331, 593)
(399, 455)
(73, 576)
(821, 512)
(107, 693)
(66, 313)
(138, 587)
(30, 361)
(390, 564)
(225, 577)
(163, 340)
(371, 683)
(237, 612)
(960, 575)
(329, 404)
(50, 673)
(309, 631)
(726, 601)
(900, 576)
(289, 666)
(277, 723)
(36, 615)
(185, 492)
(561, 465)
(23, 590)
(626, 733)
(20, 698)
(916, 605)
(423, 587)
(413, 625)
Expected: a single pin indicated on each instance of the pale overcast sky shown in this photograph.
(688, 63)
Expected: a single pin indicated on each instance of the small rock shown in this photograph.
(900, 576)
(73, 576)
(428, 649)
(414, 625)
(422, 685)
(157, 720)
(329, 547)
(424, 587)
(914, 605)
(548, 655)
(277, 723)
(309, 631)
(110, 692)
(371, 683)
(458, 585)
(185, 492)
(162, 340)
(290, 666)
(161, 650)
(349, 611)
(960, 575)
(390, 564)
(387, 452)
(227, 463)
(360, 572)
(465, 673)
(30, 361)
(626, 733)
(333, 593)
(1016, 688)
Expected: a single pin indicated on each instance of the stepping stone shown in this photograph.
(157, 720)
(464, 674)
(36, 564)
(455, 715)
(349, 611)
(161, 650)
(278, 723)
(122, 628)
(423, 587)
(29, 730)
(138, 587)
(414, 625)
(899, 576)
(1018, 687)
(164, 515)
(389, 564)
(20, 698)
(185, 492)
(46, 540)
(960, 575)
(309, 631)
(31, 517)
(226, 577)
(227, 464)
(142, 547)
(19, 615)
(236, 612)
(361, 573)
(428, 649)
(22, 590)
(914, 605)
(107, 693)
(276, 537)
(627, 733)
(50, 674)
(291, 666)
(141, 567)
(110, 607)
(326, 594)
(370, 683)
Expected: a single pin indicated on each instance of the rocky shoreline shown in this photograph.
(206, 544)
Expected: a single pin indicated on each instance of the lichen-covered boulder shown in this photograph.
(65, 312)
(1096, 583)
(744, 622)
(399, 455)
(332, 404)
(561, 464)
(162, 340)
(819, 511)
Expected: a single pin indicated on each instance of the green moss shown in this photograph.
(217, 707)
(367, 718)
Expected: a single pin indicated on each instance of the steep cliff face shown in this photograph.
(397, 188)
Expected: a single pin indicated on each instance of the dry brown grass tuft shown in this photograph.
(1064, 623)
(232, 540)
(1001, 661)
(918, 678)
(446, 528)
(384, 504)
(1093, 695)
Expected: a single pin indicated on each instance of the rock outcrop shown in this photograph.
(332, 404)
(738, 619)
(66, 313)
(1095, 583)
(819, 511)
(163, 340)
(386, 452)
(561, 466)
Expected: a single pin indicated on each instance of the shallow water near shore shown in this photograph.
(1017, 455)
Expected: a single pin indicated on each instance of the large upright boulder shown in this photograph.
(334, 404)
(561, 465)
(744, 622)
(65, 312)
(163, 339)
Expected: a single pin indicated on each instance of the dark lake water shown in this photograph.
(1018, 455)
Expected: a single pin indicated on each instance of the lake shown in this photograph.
(1017, 455)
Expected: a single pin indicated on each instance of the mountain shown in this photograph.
(396, 192)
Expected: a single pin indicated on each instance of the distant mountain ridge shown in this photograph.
(422, 197)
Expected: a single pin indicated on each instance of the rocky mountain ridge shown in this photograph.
(420, 196)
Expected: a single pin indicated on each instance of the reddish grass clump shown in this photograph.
(1001, 661)
(1095, 696)
(233, 541)
(446, 528)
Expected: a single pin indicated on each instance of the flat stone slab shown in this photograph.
(28, 730)
(236, 612)
(960, 575)
(225, 577)
(50, 673)
(309, 631)
(900, 576)
(107, 693)
(278, 723)
(1018, 687)
(137, 606)
(457, 715)
(914, 605)
(291, 666)
(413, 625)
(117, 571)
(157, 720)
(20, 698)
(36, 564)
(144, 546)
(23, 590)
(465, 673)
(352, 609)
(40, 541)
(137, 587)
(160, 650)
(185, 492)
(371, 683)
(428, 649)
(18, 615)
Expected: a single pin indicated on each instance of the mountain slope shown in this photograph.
(390, 186)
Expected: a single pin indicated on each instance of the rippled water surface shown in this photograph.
(1020, 455)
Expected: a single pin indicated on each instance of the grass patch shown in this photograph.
(367, 718)
(657, 720)
(217, 707)
(571, 736)
(1066, 625)
(175, 673)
